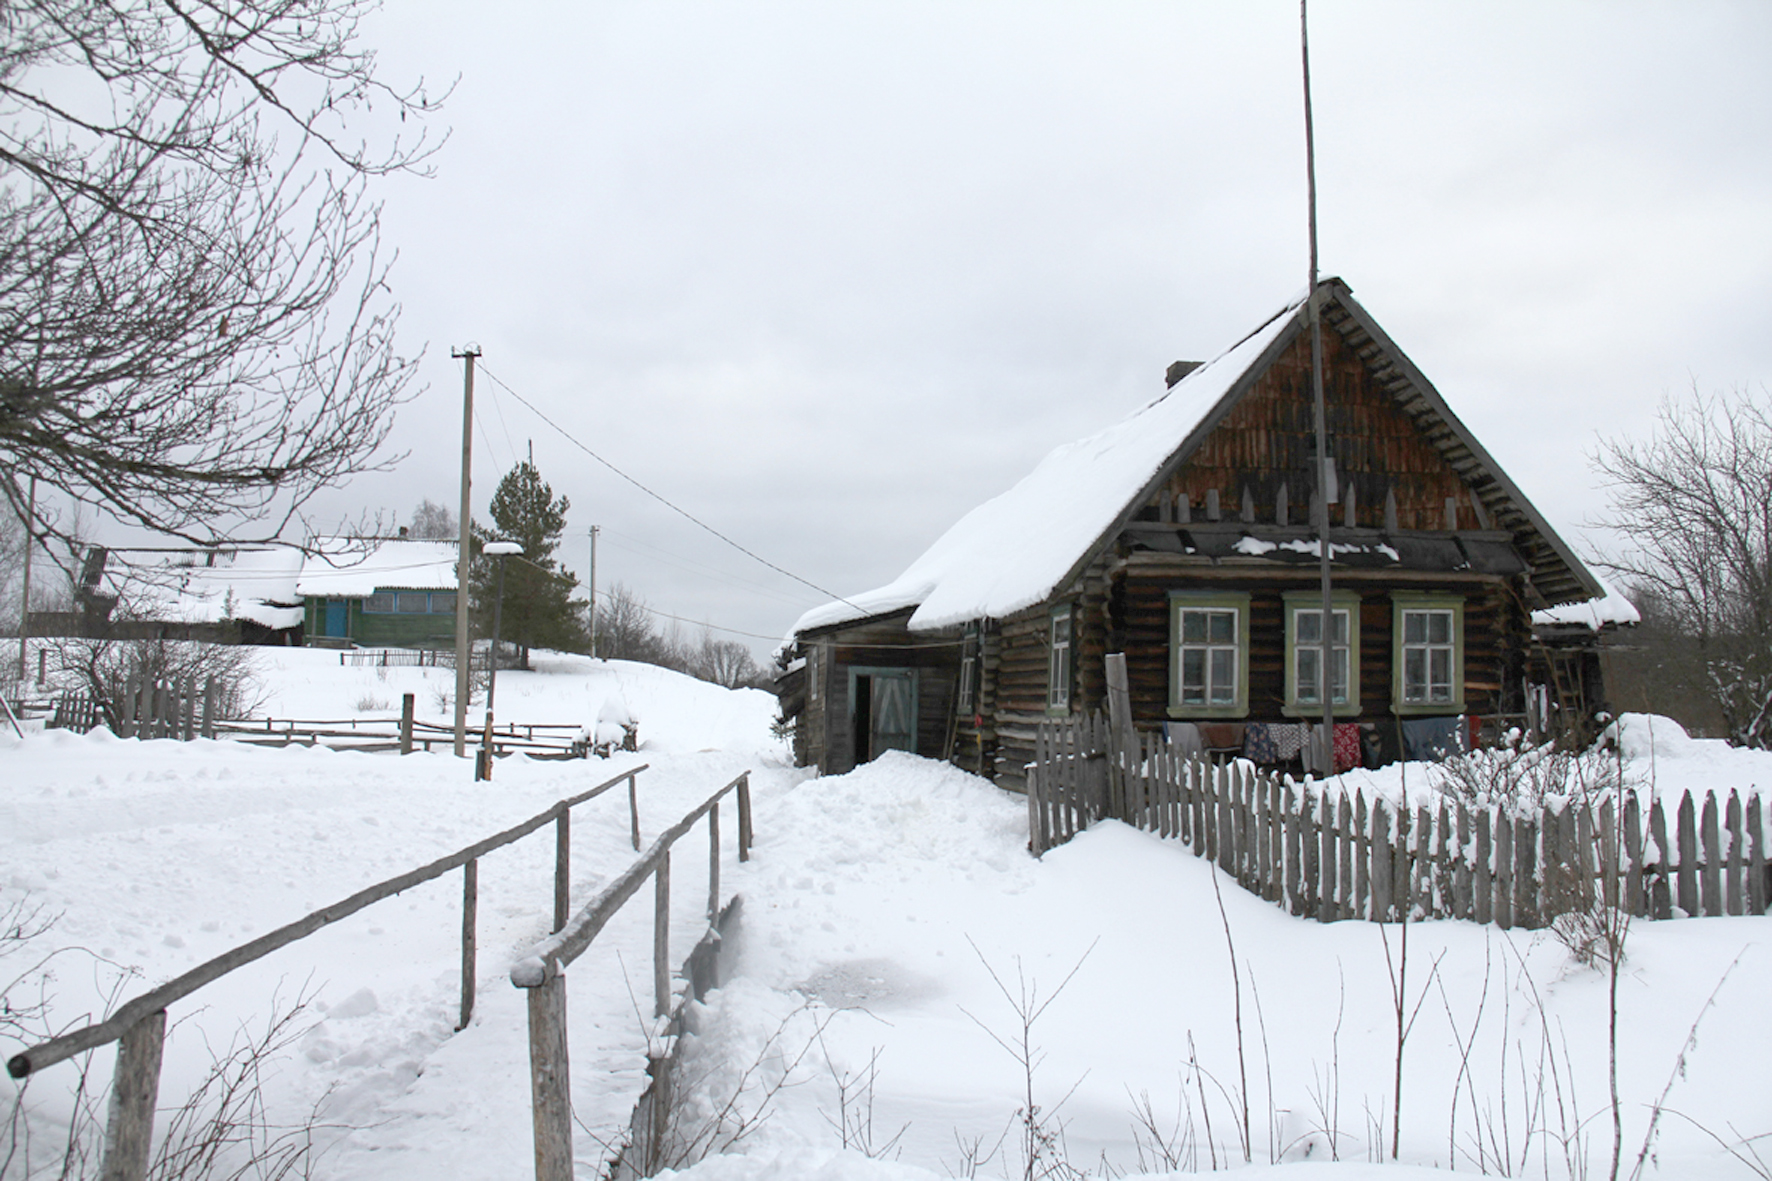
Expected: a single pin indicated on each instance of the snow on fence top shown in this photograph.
(352, 568)
(1012, 551)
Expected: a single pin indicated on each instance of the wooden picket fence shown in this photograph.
(142, 708)
(1325, 855)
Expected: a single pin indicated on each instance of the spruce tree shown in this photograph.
(539, 610)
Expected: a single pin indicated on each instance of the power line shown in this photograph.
(653, 610)
(684, 513)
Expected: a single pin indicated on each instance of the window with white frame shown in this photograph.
(1209, 649)
(1307, 656)
(1058, 662)
(1429, 654)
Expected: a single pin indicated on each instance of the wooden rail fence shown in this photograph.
(1325, 855)
(139, 1025)
(540, 973)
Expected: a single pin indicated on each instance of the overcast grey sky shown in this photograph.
(830, 274)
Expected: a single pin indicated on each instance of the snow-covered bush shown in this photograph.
(1522, 776)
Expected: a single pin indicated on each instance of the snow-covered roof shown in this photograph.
(1611, 610)
(1014, 551)
(207, 586)
(352, 568)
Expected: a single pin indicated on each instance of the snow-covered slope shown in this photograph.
(878, 906)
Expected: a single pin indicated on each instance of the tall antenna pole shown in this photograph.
(463, 647)
(1325, 465)
(593, 613)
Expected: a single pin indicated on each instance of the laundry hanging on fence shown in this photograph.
(1222, 735)
(1258, 744)
(1347, 746)
(1432, 739)
(1289, 738)
(1184, 737)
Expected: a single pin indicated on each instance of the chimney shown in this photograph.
(1180, 369)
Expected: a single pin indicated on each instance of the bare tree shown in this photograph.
(726, 663)
(195, 325)
(433, 522)
(1694, 507)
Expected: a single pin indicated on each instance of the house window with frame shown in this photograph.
(381, 602)
(1305, 659)
(1209, 654)
(1058, 662)
(1429, 653)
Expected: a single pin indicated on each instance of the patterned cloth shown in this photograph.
(1289, 739)
(1347, 746)
(1185, 738)
(1258, 744)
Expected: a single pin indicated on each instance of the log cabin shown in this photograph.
(1185, 537)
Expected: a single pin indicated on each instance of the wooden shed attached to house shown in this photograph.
(1183, 538)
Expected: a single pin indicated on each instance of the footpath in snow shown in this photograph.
(886, 913)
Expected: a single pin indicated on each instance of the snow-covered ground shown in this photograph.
(882, 910)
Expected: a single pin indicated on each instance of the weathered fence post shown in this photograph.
(1732, 866)
(1382, 881)
(1483, 889)
(1660, 899)
(470, 923)
(634, 814)
(406, 712)
(1362, 859)
(745, 832)
(714, 862)
(1526, 894)
(661, 936)
(550, 1077)
(1709, 873)
(1756, 858)
(1122, 739)
(1307, 839)
(562, 868)
(1504, 869)
(1635, 901)
(209, 708)
(1687, 874)
(135, 1090)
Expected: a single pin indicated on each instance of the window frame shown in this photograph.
(388, 604)
(1312, 601)
(1061, 666)
(1402, 603)
(1237, 602)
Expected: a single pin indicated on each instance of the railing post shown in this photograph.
(744, 817)
(550, 1077)
(135, 1089)
(562, 868)
(714, 862)
(661, 936)
(470, 911)
(634, 810)
(406, 700)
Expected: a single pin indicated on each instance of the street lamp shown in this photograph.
(500, 550)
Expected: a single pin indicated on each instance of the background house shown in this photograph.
(221, 595)
(1181, 537)
(379, 593)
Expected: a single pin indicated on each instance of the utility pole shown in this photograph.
(464, 649)
(24, 606)
(593, 591)
(1325, 465)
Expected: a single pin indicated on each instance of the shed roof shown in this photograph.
(1015, 550)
